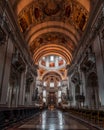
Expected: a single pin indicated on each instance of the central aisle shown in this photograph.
(52, 120)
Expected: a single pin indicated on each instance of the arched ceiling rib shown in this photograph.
(52, 26)
(52, 49)
(20, 4)
(55, 74)
(47, 27)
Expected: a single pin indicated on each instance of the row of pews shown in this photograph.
(93, 116)
(10, 116)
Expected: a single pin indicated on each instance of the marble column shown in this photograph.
(22, 88)
(56, 61)
(101, 36)
(17, 97)
(47, 61)
(83, 85)
(31, 93)
(100, 67)
(70, 91)
(5, 65)
(73, 94)
(9, 95)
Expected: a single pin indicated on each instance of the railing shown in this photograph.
(93, 116)
(9, 116)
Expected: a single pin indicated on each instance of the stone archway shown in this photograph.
(92, 90)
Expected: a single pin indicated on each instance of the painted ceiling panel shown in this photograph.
(52, 22)
(20, 4)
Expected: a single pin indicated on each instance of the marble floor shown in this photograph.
(52, 120)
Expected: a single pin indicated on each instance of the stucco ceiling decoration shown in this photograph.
(52, 49)
(18, 5)
(51, 76)
(42, 73)
(68, 11)
(52, 26)
(52, 38)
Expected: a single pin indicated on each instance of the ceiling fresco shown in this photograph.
(54, 38)
(52, 49)
(52, 27)
(52, 76)
(53, 64)
(44, 74)
(67, 11)
(59, 22)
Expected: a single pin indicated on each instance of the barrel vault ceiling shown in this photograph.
(52, 26)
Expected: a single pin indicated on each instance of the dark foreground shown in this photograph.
(52, 120)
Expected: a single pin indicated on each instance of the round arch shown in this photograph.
(20, 4)
(52, 73)
(52, 49)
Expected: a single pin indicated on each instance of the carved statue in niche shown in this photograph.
(23, 24)
(67, 11)
(82, 22)
(36, 13)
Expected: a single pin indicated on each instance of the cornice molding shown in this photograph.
(93, 29)
(12, 30)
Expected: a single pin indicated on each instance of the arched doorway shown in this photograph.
(51, 84)
(92, 90)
